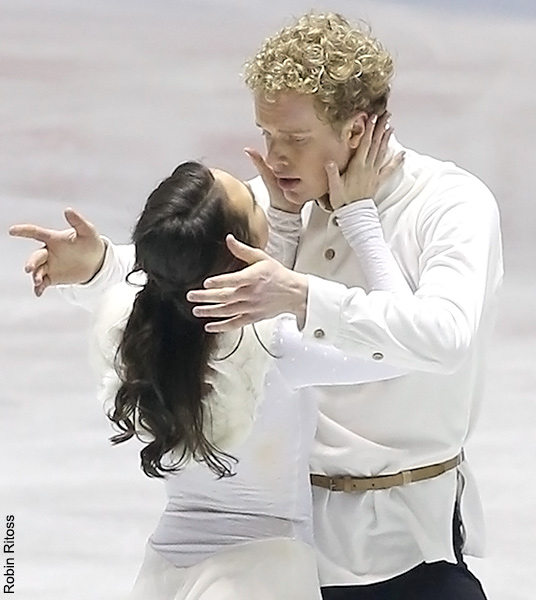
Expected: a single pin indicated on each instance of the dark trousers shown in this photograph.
(427, 581)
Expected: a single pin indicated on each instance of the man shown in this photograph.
(394, 502)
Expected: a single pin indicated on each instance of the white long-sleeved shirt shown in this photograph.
(442, 225)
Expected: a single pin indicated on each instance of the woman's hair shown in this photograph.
(162, 359)
(340, 65)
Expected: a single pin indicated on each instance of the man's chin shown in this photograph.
(296, 198)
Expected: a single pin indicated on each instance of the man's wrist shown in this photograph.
(300, 290)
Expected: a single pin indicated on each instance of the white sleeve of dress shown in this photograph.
(109, 321)
(283, 228)
(305, 364)
(236, 381)
(283, 236)
(360, 224)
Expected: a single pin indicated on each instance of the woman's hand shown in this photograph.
(367, 168)
(277, 198)
(72, 255)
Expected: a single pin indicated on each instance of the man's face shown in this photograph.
(299, 144)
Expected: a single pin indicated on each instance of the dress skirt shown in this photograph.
(271, 569)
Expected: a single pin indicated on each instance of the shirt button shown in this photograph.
(377, 356)
(335, 221)
(329, 253)
(319, 333)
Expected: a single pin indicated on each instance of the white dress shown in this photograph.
(250, 535)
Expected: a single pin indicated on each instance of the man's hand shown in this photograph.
(367, 168)
(277, 198)
(72, 255)
(260, 291)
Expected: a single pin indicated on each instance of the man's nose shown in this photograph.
(277, 156)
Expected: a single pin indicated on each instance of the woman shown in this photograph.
(238, 520)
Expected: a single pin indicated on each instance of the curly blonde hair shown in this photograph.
(341, 65)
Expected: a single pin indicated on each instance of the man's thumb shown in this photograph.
(246, 253)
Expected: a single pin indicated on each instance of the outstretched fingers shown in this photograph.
(229, 324)
(34, 232)
(217, 295)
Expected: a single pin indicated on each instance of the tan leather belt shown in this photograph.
(347, 483)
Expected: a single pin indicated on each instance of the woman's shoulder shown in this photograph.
(115, 305)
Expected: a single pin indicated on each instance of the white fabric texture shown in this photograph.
(269, 497)
(277, 569)
(236, 382)
(442, 226)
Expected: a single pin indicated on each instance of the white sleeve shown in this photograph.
(304, 363)
(360, 225)
(109, 320)
(283, 228)
(284, 235)
(118, 262)
(432, 329)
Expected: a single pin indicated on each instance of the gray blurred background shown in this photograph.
(98, 102)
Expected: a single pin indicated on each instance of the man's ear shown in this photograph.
(356, 128)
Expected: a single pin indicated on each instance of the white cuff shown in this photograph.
(324, 306)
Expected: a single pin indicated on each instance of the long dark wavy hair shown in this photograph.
(162, 360)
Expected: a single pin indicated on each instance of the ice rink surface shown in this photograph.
(99, 101)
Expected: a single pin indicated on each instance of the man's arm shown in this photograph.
(433, 328)
(429, 330)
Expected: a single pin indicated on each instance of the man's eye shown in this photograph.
(299, 140)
